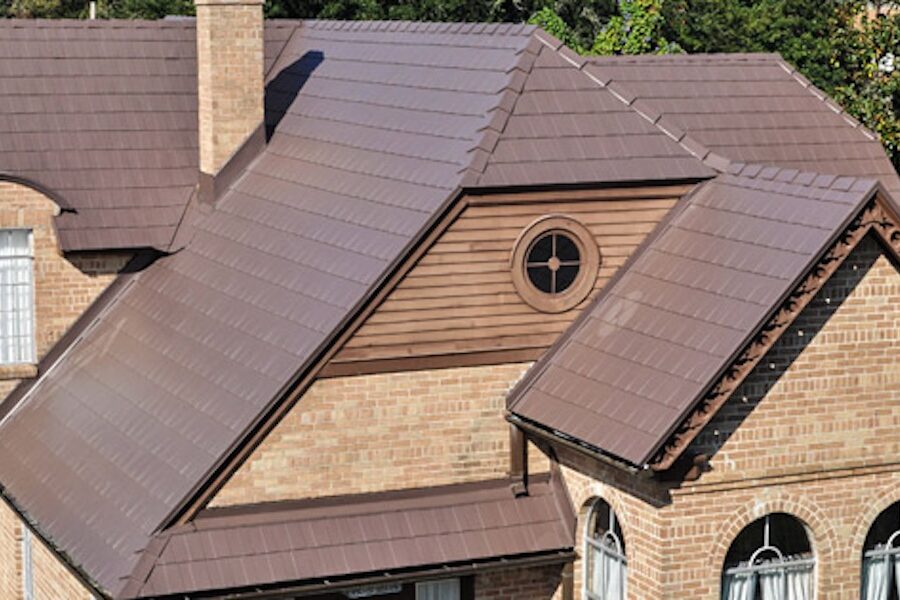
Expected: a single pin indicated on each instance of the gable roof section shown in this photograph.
(629, 372)
(749, 108)
(140, 411)
(297, 543)
(566, 127)
(102, 116)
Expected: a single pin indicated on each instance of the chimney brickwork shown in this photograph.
(230, 76)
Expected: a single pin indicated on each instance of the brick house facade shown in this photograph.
(315, 351)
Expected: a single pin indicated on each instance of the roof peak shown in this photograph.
(702, 57)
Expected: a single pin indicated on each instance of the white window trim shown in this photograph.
(27, 566)
(32, 343)
(782, 564)
(591, 544)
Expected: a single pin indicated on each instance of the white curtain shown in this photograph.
(607, 575)
(614, 569)
(897, 573)
(16, 297)
(447, 589)
(739, 587)
(876, 572)
(771, 584)
(800, 583)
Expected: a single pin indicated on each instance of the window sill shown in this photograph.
(20, 371)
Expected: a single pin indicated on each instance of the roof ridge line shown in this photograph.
(688, 143)
(823, 97)
(506, 28)
(473, 172)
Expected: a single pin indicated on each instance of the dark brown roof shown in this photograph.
(748, 108)
(377, 129)
(102, 116)
(139, 411)
(567, 128)
(346, 538)
(628, 372)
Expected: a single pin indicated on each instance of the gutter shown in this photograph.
(558, 437)
(332, 586)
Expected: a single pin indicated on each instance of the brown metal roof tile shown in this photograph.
(245, 556)
(189, 356)
(756, 109)
(627, 373)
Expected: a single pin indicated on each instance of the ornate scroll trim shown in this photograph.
(873, 217)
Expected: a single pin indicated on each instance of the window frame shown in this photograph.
(460, 595)
(890, 552)
(590, 545)
(32, 297)
(783, 565)
(589, 264)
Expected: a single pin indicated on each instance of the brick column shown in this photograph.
(229, 76)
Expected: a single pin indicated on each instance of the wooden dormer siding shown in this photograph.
(457, 306)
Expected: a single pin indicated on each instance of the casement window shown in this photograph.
(444, 589)
(16, 297)
(771, 559)
(881, 557)
(605, 572)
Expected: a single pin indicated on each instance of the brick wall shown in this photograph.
(52, 581)
(380, 432)
(534, 583)
(64, 286)
(813, 432)
(10, 555)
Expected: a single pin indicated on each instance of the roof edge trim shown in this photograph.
(70, 565)
(546, 558)
(553, 436)
(53, 196)
(820, 95)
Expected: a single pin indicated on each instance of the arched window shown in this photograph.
(604, 552)
(881, 557)
(771, 559)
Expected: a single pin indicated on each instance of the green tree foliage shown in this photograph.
(867, 55)
(638, 29)
(106, 9)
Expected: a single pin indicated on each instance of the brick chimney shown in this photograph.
(229, 76)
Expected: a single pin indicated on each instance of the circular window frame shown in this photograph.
(579, 289)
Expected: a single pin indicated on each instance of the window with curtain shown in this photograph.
(771, 559)
(16, 297)
(881, 557)
(444, 589)
(604, 555)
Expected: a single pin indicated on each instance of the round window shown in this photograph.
(554, 263)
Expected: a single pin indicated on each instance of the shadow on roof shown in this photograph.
(284, 87)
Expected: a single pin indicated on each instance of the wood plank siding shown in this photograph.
(457, 305)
